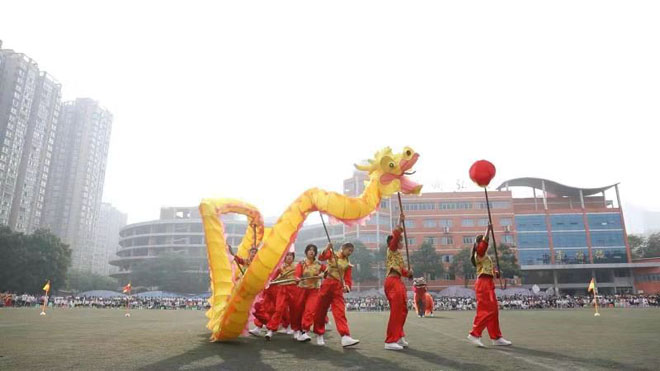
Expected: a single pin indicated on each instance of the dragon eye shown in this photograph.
(408, 153)
(391, 165)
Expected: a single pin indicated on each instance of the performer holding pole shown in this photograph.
(482, 172)
(338, 281)
(395, 290)
(308, 275)
(285, 295)
(487, 308)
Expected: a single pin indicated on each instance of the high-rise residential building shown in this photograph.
(18, 81)
(75, 180)
(110, 222)
(29, 109)
(30, 194)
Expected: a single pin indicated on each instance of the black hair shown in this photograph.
(311, 246)
(473, 258)
(292, 253)
(348, 245)
(389, 238)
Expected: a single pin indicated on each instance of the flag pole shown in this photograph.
(128, 300)
(596, 300)
(43, 307)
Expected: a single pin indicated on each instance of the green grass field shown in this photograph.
(149, 339)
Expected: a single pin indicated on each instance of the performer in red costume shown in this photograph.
(332, 293)
(429, 305)
(307, 300)
(244, 263)
(396, 291)
(264, 309)
(285, 295)
(419, 299)
(487, 309)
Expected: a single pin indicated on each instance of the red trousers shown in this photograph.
(331, 293)
(303, 316)
(264, 310)
(285, 300)
(396, 294)
(487, 309)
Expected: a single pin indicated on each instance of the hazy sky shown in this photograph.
(261, 100)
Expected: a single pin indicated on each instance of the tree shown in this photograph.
(78, 281)
(508, 261)
(362, 260)
(645, 247)
(652, 249)
(462, 266)
(637, 245)
(170, 272)
(28, 261)
(426, 261)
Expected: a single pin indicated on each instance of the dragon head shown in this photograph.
(390, 171)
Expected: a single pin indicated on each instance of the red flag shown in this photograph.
(127, 289)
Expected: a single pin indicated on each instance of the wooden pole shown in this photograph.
(334, 257)
(405, 234)
(492, 233)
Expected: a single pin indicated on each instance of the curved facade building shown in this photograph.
(179, 230)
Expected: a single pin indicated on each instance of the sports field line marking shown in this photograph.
(524, 359)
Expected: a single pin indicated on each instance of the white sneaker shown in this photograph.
(319, 340)
(476, 341)
(303, 338)
(289, 331)
(501, 342)
(296, 335)
(269, 334)
(347, 341)
(255, 331)
(403, 342)
(393, 346)
(281, 330)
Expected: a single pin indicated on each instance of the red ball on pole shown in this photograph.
(482, 172)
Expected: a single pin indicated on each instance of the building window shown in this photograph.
(469, 239)
(445, 222)
(430, 223)
(505, 222)
(445, 241)
(467, 222)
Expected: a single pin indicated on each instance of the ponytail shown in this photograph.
(473, 258)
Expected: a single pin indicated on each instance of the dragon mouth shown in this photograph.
(407, 185)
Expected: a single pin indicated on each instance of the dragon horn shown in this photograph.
(363, 167)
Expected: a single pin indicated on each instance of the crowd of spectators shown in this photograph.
(361, 304)
(377, 304)
(135, 302)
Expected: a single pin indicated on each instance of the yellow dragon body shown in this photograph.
(231, 303)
